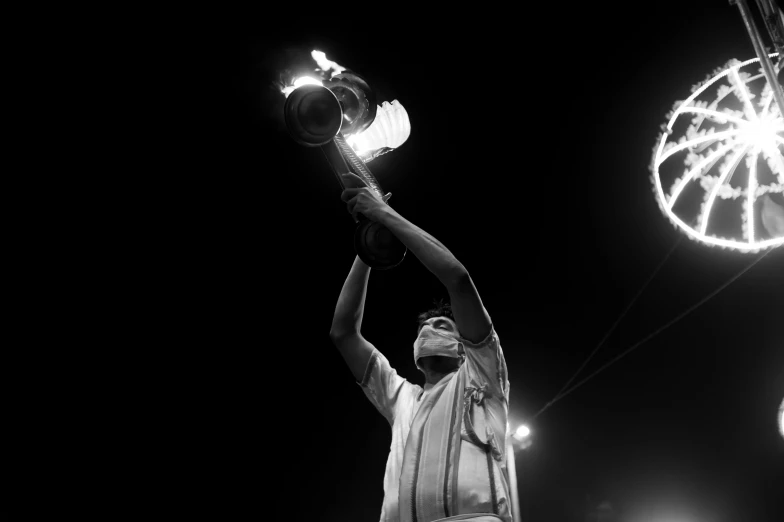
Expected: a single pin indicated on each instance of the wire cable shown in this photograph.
(656, 332)
(614, 326)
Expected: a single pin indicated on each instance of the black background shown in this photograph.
(532, 131)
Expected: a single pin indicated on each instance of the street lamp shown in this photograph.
(517, 439)
(781, 418)
(522, 432)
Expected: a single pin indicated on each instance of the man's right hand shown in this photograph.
(361, 199)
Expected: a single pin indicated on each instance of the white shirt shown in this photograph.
(398, 400)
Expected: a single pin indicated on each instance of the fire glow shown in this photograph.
(390, 128)
(299, 82)
(326, 69)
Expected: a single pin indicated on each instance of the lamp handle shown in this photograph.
(374, 243)
(337, 152)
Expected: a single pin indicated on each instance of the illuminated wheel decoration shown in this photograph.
(718, 167)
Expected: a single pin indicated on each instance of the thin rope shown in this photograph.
(656, 332)
(615, 325)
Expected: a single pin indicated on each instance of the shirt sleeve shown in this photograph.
(384, 387)
(486, 366)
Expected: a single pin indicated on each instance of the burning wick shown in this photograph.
(299, 82)
(390, 128)
(326, 68)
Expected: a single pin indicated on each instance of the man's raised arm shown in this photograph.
(347, 320)
(471, 318)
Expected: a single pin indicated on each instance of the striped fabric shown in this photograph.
(447, 457)
(430, 481)
(472, 518)
(428, 485)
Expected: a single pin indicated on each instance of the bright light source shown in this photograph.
(299, 82)
(306, 80)
(762, 133)
(726, 146)
(522, 432)
(781, 418)
(390, 129)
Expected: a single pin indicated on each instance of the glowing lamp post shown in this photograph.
(322, 116)
(522, 432)
(781, 418)
(520, 439)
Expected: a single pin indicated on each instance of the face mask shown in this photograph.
(432, 341)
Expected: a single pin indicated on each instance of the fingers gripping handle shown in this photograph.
(343, 160)
(375, 245)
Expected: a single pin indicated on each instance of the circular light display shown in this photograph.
(718, 167)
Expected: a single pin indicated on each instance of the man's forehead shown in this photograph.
(438, 318)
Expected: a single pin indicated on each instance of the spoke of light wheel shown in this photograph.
(726, 174)
(745, 92)
(766, 106)
(691, 98)
(693, 172)
(702, 89)
(731, 90)
(779, 160)
(690, 143)
(722, 117)
(750, 198)
(724, 242)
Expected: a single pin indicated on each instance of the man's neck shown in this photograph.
(433, 378)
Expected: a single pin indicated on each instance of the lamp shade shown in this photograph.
(389, 130)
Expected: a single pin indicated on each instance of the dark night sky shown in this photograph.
(528, 157)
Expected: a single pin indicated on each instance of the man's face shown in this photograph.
(438, 363)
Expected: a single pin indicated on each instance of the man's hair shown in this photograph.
(440, 308)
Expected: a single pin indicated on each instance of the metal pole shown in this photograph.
(774, 21)
(510, 467)
(759, 48)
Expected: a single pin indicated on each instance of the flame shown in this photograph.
(326, 70)
(326, 64)
(299, 82)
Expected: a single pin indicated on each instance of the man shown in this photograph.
(447, 459)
